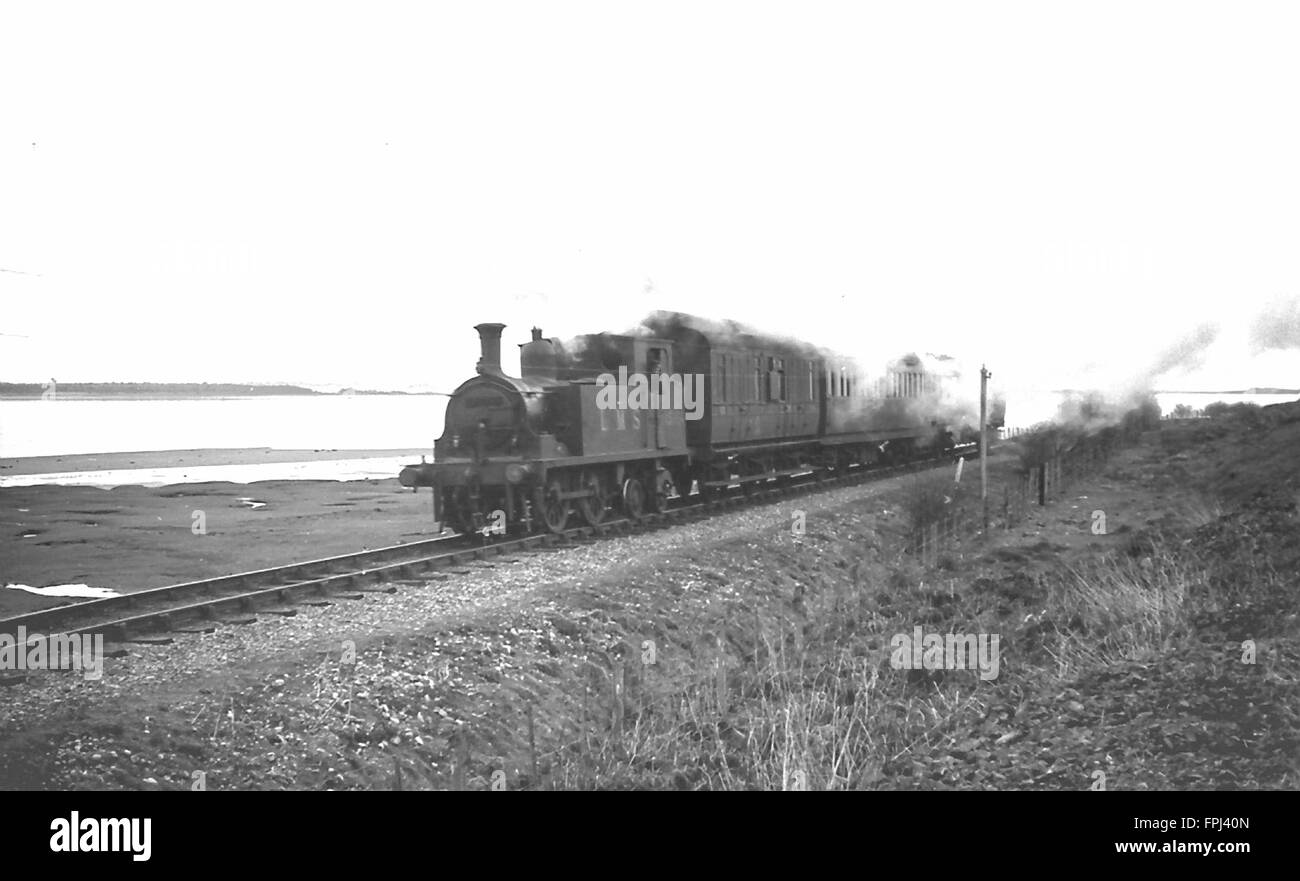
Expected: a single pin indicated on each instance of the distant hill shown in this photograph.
(1243, 391)
(146, 389)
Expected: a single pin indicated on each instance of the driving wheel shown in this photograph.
(592, 507)
(552, 506)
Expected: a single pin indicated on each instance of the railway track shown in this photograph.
(204, 605)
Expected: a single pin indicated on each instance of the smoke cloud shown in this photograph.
(1186, 353)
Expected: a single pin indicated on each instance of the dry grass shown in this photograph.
(1119, 609)
(817, 705)
(808, 703)
(935, 498)
(1205, 509)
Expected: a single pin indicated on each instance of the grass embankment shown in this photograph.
(1161, 657)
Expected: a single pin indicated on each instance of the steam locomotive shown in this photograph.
(683, 406)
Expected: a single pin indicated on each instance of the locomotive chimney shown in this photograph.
(537, 334)
(489, 335)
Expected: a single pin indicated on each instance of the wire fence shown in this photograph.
(1052, 462)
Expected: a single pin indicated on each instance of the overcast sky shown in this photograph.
(334, 193)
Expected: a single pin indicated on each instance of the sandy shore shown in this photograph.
(132, 537)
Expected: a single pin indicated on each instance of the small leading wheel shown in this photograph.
(592, 507)
(552, 506)
(456, 510)
(633, 499)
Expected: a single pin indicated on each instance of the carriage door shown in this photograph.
(823, 392)
(656, 362)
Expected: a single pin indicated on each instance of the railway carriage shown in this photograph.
(735, 408)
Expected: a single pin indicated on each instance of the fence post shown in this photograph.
(618, 684)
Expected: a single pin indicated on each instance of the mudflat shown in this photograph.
(130, 537)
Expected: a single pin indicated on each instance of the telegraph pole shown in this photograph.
(984, 442)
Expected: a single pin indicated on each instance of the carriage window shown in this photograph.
(776, 379)
(655, 361)
(721, 393)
